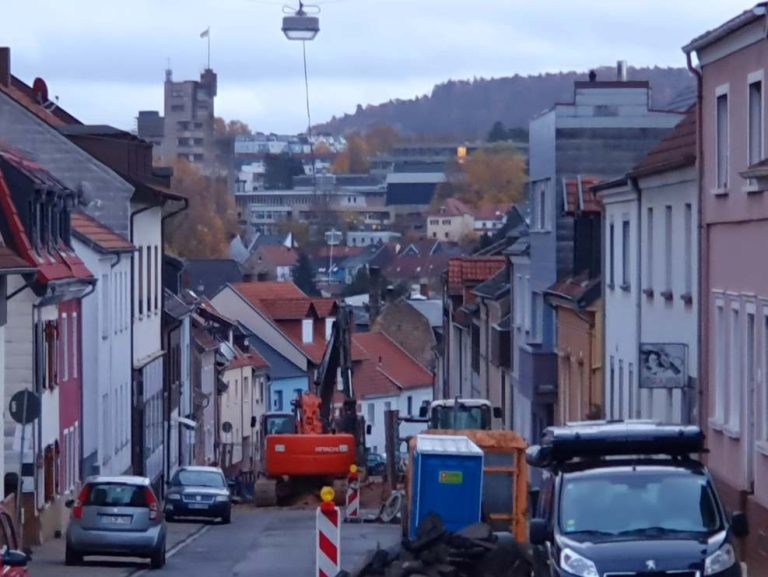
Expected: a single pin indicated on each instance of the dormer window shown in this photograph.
(329, 327)
(306, 331)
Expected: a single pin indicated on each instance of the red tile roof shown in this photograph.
(386, 369)
(491, 211)
(579, 196)
(575, 288)
(451, 207)
(250, 359)
(275, 255)
(676, 150)
(324, 307)
(99, 235)
(254, 291)
(10, 261)
(471, 270)
(286, 309)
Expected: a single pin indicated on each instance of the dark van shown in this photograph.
(629, 499)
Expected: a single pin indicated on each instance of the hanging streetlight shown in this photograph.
(300, 26)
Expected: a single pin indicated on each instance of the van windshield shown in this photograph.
(462, 418)
(636, 502)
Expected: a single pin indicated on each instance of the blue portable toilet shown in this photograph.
(447, 479)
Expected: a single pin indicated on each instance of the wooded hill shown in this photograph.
(467, 109)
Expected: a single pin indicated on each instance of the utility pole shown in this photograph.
(392, 440)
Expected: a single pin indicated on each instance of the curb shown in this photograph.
(173, 550)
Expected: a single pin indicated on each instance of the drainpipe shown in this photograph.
(701, 357)
(487, 349)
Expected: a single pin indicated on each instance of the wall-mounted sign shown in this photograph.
(663, 366)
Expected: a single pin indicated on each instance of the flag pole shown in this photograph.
(209, 47)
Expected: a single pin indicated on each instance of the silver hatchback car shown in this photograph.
(116, 516)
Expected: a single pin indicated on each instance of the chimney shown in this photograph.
(621, 71)
(374, 293)
(592, 75)
(5, 66)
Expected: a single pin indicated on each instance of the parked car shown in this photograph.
(116, 516)
(198, 492)
(376, 464)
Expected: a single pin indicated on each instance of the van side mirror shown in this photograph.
(423, 411)
(253, 422)
(368, 429)
(537, 531)
(497, 413)
(69, 503)
(739, 525)
(13, 558)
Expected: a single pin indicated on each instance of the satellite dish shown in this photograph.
(226, 426)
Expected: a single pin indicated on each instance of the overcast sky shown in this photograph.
(105, 59)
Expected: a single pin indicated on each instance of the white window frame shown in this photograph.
(758, 76)
(75, 347)
(64, 335)
(762, 378)
(527, 303)
(649, 248)
(735, 397)
(329, 327)
(722, 90)
(669, 226)
(307, 330)
(719, 398)
(105, 306)
(688, 263)
(541, 208)
(626, 252)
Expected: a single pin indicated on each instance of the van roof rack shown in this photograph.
(595, 439)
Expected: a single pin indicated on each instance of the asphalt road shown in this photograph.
(258, 542)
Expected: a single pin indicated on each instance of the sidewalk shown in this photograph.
(48, 559)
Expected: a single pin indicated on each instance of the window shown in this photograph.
(140, 275)
(105, 306)
(75, 344)
(689, 264)
(177, 107)
(149, 280)
(409, 403)
(749, 350)
(371, 414)
(621, 390)
(625, 254)
(329, 327)
(735, 360)
(719, 398)
(518, 300)
(630, 389)
(537, 316)
(158, 283)
(64, 343)
(755, 122)
(612, 389)
(611, 256)
(476, 347)
(721, 142)
(540, 206)
(649, 249)
(526, 303)
(668, 248)
(306, 331)
(107, 426)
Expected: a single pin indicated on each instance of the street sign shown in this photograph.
(24, 407)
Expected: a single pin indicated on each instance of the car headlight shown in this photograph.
(222, 498)
(720, 560)
(576, 564)
(174, 497)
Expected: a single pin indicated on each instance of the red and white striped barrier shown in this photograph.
(353, 495)
(328, 550)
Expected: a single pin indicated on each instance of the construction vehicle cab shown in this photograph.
(460, 414)
(629, 498)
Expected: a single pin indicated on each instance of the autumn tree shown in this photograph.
(303, 274)
(279, 170)
(232, 128)
(490, 176)
(203, 230)
(362, 146)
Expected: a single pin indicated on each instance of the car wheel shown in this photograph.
(157, 561)
(169, 518)
(71, 558)
(227, 518)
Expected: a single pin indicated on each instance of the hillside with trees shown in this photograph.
(467, 109)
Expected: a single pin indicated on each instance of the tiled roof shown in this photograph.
(98, 235)
(579, 196)
(676, 150)
(491, 211)
(10, 261)
(581, 289)
(275, 255)
(248, 359)
(387, 369)
(255, 291)
(286, 309)
(339, 251)
(415, 267)
(495, 287)
(204, 339)
(324, 307)
(469, 270)
(710, 36)
(210, 275)
(451, 207)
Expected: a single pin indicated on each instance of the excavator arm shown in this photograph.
(337, 361)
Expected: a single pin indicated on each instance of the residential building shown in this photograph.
(462, 331)
(286, 319)
(241, 406)
(371, 237)
(187, 124)
(286, 379)
(207, 276)
(106, 336)
(412, 330)
(272, 262)
(409, 196)
(576, 300)
(42, 338)
(453, 221)
(734, 287)
(385, 377)
(604, 131)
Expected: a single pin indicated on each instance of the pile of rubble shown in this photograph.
(436, 552)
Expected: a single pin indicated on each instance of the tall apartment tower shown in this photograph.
(187, 126)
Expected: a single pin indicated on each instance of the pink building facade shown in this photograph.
(733, 61)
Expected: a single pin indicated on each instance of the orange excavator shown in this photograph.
(310, 447)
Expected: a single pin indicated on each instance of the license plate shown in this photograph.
(117, 519)
(198, 506)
